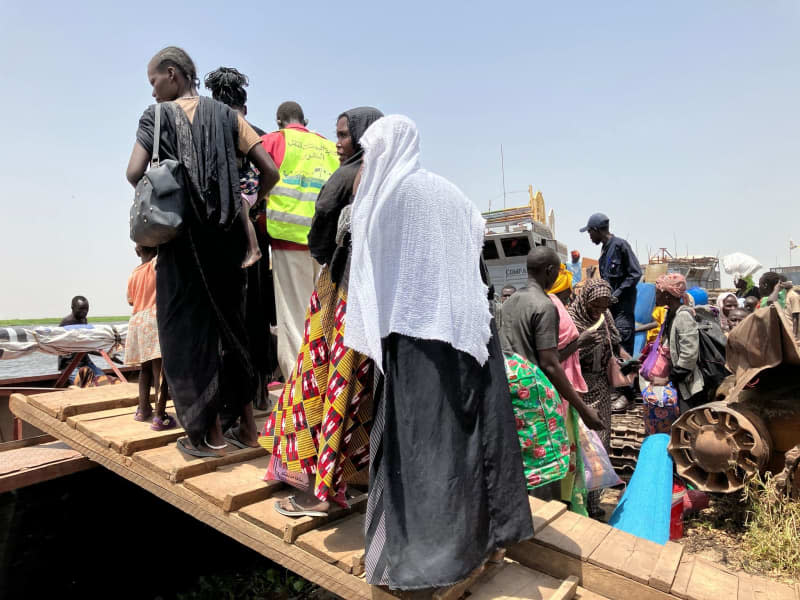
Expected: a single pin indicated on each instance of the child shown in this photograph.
(142, 347)
(248, 184)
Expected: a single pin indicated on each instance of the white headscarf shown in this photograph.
(417, 242)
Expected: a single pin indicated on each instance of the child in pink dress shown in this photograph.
(142, 346)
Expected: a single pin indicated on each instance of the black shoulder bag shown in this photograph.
(157, 211)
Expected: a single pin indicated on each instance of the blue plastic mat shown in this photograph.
(644, 509)
(643, 312)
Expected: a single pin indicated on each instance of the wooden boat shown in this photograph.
(569, 557)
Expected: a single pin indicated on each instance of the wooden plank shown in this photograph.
(542, 558)
(340, 543)
(291, 557)
(547, 513)
(666, 567)
(25, 442)
(710, 583)
(582, 593)
(126, 436)
(112, 412)
(627, 555)
(480, 575)
(682, 576)
(566, 591)
(173, 465)
(642, 560)
(574, 534)
(72, 402)
(289, 529)
(235, 486)
(45, 472)
(516, 581)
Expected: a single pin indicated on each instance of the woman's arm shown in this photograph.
(137, 164)
(267, 171)
(568, 350)
(646, 326)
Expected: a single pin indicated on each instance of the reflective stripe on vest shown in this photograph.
(308, 162)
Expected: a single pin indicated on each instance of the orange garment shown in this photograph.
(142, 286)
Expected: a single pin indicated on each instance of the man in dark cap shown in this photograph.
(619, 267)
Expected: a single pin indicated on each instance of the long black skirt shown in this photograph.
(200, 300)
(446, 479)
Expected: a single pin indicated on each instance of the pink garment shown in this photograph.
(567, 332)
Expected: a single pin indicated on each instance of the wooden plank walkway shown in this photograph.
(229, 494)
(569, 557)
(25, 465)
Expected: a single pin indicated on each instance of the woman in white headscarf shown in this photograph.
(446, 481)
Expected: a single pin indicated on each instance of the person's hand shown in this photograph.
(592, 419)
(591, 337)
(660, 381)
(787, 285)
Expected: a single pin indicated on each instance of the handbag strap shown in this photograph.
(156, 136)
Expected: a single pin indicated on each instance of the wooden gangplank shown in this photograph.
(569, 556)
(229, 494)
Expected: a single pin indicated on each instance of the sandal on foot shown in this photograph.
(140, 416)
(185, 447)
(298, 511)
(163, 423)
(232, 437)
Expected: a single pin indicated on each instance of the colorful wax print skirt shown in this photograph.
(540, 426)
(320, 425)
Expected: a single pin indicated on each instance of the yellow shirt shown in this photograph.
(659, 314)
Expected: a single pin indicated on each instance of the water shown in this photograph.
(39, 363)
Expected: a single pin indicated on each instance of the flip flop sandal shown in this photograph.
(141, 417)
(163, 423)
(233, 439)
(189, 450)
(298, 511)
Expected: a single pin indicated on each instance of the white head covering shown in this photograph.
(417, 242)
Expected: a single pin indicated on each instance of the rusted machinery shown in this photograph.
(627, 435)
(754, 423)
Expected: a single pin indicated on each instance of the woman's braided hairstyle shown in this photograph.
(227, 85)
(172, 56)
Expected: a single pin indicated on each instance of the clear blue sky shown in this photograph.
(675, 118)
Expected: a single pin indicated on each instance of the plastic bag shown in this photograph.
(660, 408)
(597, 470)
(740, 265)
(277, 471)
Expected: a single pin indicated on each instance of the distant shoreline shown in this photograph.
(57, 320)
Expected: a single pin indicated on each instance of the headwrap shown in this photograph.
(579, 311)
(563, 281)
(589, 291)
(575, 255)
(672, 283)
(338, 190)
(417, 242)
(723, 320)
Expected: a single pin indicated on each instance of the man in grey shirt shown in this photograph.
(530, 329)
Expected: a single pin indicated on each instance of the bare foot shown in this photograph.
(252, 257)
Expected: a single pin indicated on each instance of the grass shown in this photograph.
(756, 531)
(772, 539)
(57, 320)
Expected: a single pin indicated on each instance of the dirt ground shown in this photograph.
(715, 533)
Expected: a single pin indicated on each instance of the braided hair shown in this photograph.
(172, 56)
(227, 85)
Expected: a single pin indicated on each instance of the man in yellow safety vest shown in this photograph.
(305, 161)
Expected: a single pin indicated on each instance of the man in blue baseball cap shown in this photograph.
(620, 268)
